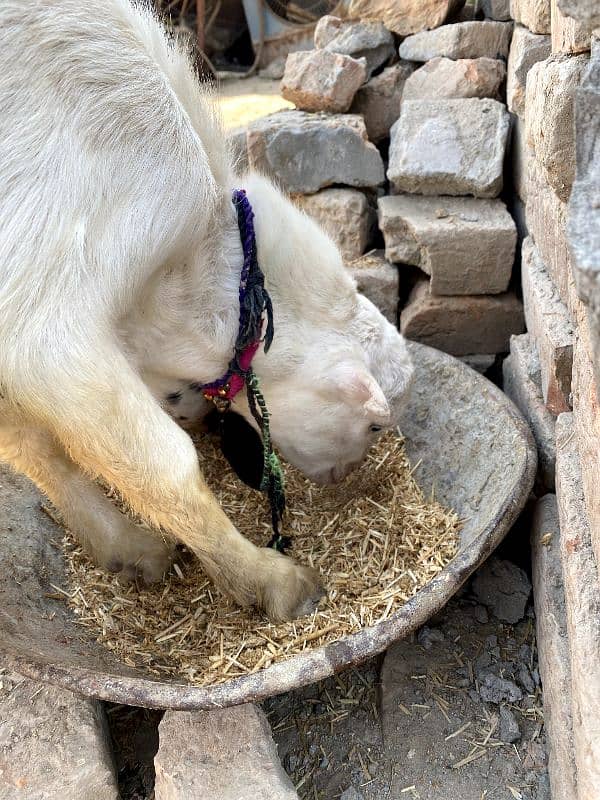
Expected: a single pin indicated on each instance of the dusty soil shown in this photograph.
(243, 100)
(416, 725)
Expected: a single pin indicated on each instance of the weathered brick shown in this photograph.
(53, 744)
(582, 602)
(568, 35)
(345, 214)
(547, 223)
(553, 647)
(307, 152)
(550, 324)
(461, 40)
(466, 245)
(533, 14)
(523, 384)
(465, 77)
(225, 754)
(379, 100)
(453, 147)
(319, 80)
(462, 325)
(526, 49)
(549, 118)
(586, 412)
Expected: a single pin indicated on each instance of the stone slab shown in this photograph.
(584, 205)
(549, 126)
(494, 9)
(526, 49)
(366, 39)
(520, 155)
(319, 80)
(586, 11)
(53, 744)
(453, 147)
(225, 754)
(547, 223)
(551, 326)
(582, 602)
(307, 152)
(586, 411)
(533, 14)
(523, 384)
(407, 17)
(553, 647)
(461, 40)
(568, 34)
(379, 99)
(379, 281)
(466, 245)
(345, 214)
(466, 77)
(462, 325)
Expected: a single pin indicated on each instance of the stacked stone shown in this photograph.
(552, 373)
(443, 214)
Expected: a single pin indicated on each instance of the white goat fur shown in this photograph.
(119, 267)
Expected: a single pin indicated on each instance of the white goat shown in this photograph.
(120, 262)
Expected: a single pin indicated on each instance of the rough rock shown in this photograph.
(345, 214)
(533, 14)
(584, 208)
(582, 602)
(498, 690)
(466, 245)
(462, 40)
(547, 224)
(503, 588)
(351, 794)
(379, 281)
(553, 646)
(407, 17)
(549, 126)
(568, 35)
(318, 80)
(585, 11)
(453, 147)
(550, 324)
(369, 40)
(462, 325)
(494, 9)
(307, 152)
(586, 409)
(523, 384)
(379, 100)
(225, 754)
(526, 49)
(521, 153)
(509, 730)
(53, 744)
(427, 637)
(467, 77)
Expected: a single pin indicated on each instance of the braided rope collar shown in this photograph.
(255, 303)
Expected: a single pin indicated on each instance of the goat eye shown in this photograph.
(375, 428)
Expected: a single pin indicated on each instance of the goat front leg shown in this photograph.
(112, 540)
(112, 426)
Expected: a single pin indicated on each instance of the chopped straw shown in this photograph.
(375, 538)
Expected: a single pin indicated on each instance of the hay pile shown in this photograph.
(375, 537)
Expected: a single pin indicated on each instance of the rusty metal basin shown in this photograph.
(471, 445)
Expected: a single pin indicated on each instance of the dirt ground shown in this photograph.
(243, 100)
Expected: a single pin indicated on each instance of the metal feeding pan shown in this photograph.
(471, 446)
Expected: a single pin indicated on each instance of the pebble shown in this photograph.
(351, 794)
(509, 730)
(525, 679)
(481, 615)
(496, 690)
(503, 588)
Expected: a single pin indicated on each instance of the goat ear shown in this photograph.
(359, 386)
